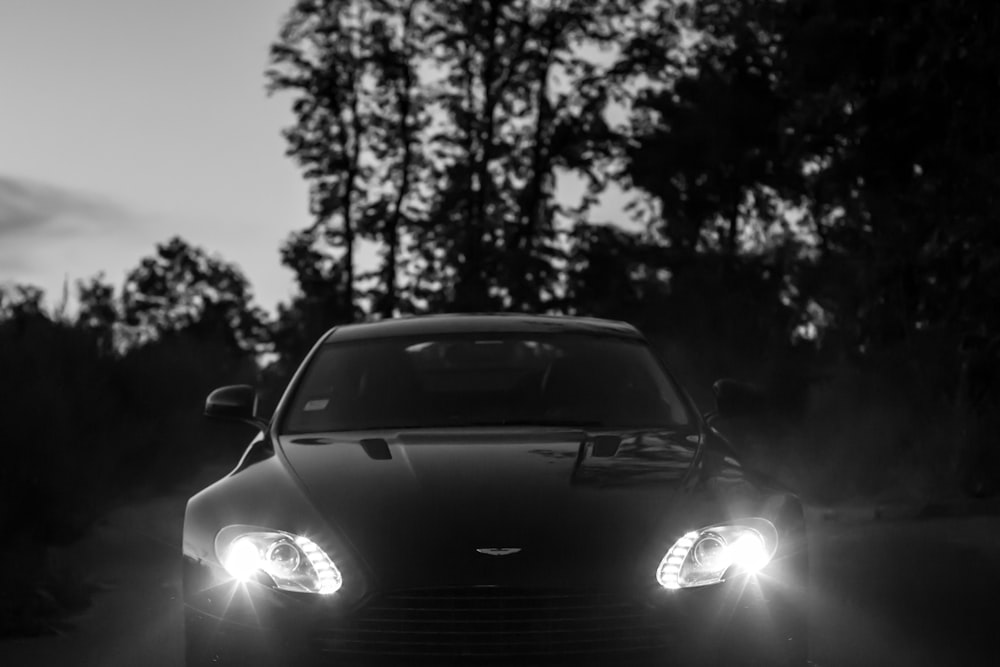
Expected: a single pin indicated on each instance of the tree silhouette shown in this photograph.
(437, 129)
(98, 311)
(893, 102)
(810, 170)
(319, 305)
(853, 135)
(18, 301)
(347, 65)
(182, 288)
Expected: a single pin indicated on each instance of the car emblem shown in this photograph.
(498, 551)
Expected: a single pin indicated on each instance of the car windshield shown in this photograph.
(575, 380)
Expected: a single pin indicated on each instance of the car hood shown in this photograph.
(417, 507)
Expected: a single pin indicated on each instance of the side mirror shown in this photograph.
(737, 400)
(236, 402)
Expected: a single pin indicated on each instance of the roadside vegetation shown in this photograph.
(88, 426)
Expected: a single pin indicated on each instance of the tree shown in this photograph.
(183, 289)
(616, 274)
(347, 64)
(99, 311)
(524, 98)
(868, 121)
(438, 129)
(893, 104)
(19, 301)
(707, 148)
(317, 307)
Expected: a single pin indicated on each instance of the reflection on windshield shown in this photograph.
(559, 380)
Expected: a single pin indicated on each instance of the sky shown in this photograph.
(126, 122)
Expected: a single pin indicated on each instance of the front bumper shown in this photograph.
(744, 621)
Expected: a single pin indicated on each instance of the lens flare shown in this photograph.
(749, 552)
(243, 559)
(707, 556)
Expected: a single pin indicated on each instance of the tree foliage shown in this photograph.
(182, 288)
(893, 102)
(444, 135)
(855, 135)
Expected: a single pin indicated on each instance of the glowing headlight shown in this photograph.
(291, 562)
(705, 556)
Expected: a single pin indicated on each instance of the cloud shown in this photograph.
(27, 206)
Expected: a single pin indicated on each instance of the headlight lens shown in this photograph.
(706, 556)
(291, 562)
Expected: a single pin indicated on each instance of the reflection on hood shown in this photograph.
(647, 457)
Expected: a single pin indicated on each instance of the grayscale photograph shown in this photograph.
(500, 333)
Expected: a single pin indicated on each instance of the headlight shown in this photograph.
(705, 556)
(291, 562)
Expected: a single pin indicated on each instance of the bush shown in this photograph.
(881, 427)
(85, 429)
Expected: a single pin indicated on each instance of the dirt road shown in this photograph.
(134, 556)
(907, 592)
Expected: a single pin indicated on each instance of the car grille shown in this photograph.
(496, 622)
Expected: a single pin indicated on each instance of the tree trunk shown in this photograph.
(392, 228)
(472, 293)
(536, 191)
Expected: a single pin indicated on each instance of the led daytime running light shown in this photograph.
(670, 567)
(330, 579)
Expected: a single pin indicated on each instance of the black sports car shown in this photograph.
(489, 489)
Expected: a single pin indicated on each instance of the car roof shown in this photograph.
(490, 323)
